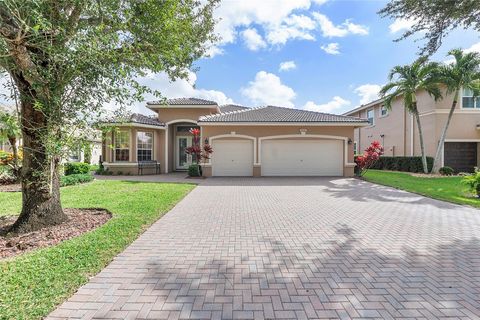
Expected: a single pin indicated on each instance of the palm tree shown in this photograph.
(405, 81)
(464, 73)
(10, 130)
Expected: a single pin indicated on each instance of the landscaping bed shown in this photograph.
(442, 188)
(13, 187)
(79, 221)
(34, 283)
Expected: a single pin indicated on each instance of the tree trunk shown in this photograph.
(422, 143)
(41, 205)
(438, 154)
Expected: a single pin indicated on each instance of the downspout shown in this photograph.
(167, 129)
(411, 135)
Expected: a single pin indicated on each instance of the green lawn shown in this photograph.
(448, 188)
(33, 284)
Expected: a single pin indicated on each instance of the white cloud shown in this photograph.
(279, 23)
(331, 48)
(368, 92)
(287, 65)
(473, 48)
(253, 40)
(334, 105)
(233, 14)
(268, 89)
(292, 27)
(347, 27)
(401, 25)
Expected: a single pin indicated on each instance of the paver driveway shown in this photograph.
(294, 248)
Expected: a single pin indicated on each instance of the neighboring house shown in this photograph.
(398, 132)
(264, 141)
(78, 155)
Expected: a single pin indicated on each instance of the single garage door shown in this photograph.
(302, 157)
(461, 156)
(232, 158)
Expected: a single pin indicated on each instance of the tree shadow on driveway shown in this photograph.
(339, 278)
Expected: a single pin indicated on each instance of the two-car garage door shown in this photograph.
(279, 157)
(309, 157)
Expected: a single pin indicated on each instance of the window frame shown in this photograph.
(476, 101)
(128, 141)
(145, 149)
(373, 116)
(382, 108)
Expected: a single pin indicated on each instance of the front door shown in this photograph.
(183, 159)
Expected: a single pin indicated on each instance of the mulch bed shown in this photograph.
(14, 187)
(79, 222)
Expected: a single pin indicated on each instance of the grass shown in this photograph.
(33, 284)
(446, 188)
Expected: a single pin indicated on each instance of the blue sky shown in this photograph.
(335, 55)
(339, 53)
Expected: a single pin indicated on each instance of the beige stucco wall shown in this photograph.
(269, 130)
(399, 125)
(391, 126)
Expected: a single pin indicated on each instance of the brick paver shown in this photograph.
(294, 248)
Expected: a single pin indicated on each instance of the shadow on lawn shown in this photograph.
(338, 278)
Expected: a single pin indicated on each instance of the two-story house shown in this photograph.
(398, 132)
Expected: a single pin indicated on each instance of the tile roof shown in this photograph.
(231, 107)
(140, 119)
(184, 101)
(278, 114)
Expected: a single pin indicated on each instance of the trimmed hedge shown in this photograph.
(76, 168)
(195, 170)
(406, 164)
(74, 179)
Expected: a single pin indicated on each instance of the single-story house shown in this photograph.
(263, 141)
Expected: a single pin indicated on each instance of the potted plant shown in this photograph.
(199, 153)
(473, 182)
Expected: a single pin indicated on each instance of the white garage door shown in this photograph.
(232, 158)
(302, 158)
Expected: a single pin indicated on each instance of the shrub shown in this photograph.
(73, 179)
(6, 175)
(406, 164)
(194, 170)
(76, 168)
(473, 181)
(368, 159)
(446, 171)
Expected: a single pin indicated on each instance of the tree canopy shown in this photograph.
(434, 19)
(68, 58)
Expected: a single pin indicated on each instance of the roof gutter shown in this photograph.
(318, 124)
(130, 124)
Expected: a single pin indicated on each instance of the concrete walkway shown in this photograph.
(294, 248)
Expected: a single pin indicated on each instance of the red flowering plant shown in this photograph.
(369, 157)
(198, 152)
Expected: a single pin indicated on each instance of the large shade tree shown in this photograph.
(67, 58)
(405, 82)
(434, 19)
(461, 74)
